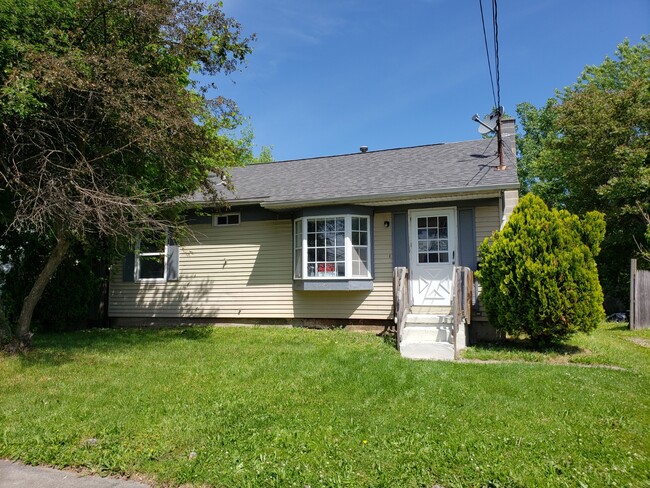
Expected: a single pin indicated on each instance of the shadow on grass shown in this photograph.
(56, 349)
(623, 327)
(526, 346)
(390, 339)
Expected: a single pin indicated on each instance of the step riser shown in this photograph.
(439, 351)
(427, 334)
(414, 321)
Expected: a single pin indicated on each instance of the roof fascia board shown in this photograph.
(381, 199)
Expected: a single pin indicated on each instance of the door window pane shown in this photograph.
(433, 239)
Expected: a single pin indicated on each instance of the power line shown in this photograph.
(487, 51)
(495, 25)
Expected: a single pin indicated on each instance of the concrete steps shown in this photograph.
(427, 336)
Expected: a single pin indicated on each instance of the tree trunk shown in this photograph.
(23, 334)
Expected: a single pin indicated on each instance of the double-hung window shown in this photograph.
(156, 259)
(332, 247)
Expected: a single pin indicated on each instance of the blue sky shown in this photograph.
(328, 76)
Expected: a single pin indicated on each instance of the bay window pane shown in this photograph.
(298, 263)
(363, 254)
(364, 224)
(326, 246)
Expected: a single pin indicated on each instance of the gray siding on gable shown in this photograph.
(172, 262)
(249, 213)
(467, 238)
(400, 240)
(128, 268)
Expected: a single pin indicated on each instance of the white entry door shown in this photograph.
(432, 255)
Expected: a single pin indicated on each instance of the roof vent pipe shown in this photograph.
(363, 149)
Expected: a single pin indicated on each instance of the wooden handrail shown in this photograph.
(462, 301)
(401, 303)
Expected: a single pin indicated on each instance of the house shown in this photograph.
(316, 240)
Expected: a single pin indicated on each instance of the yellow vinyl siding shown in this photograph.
(487, 221)
(245, 271)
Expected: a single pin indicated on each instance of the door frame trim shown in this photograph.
(411, 244)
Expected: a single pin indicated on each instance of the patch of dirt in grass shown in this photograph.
(550, 361)
(641, 342)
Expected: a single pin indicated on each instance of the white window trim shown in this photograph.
(136, 270)
(215, 217)
(348, 248)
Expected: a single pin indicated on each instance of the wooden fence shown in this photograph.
(639, 298)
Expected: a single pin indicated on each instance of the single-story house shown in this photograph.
(316, 240)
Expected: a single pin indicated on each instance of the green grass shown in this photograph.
(295, 407)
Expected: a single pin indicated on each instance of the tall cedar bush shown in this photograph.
(538, 274)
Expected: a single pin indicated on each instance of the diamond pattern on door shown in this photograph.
(432, 238)
(434, 285)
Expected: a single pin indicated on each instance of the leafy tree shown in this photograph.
(589, 149)
(104, 127)
(246, 141)
(538, 274)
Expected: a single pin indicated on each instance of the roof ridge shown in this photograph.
(368, 152)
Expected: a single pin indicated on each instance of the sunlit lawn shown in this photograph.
(292, 407)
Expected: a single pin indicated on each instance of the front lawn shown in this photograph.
(240, 407)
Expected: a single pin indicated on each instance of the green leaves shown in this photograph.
(538, 274)
(103, 132)
(589, 149)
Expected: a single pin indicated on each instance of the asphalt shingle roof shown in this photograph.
(431, 169)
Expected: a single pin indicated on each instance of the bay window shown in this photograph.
(332, 247)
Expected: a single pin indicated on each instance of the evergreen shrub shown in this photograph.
(538, 274)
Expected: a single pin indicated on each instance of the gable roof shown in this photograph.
(376, 177)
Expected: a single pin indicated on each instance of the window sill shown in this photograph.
(333, 285)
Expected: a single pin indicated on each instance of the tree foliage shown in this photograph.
(246, 140)
(538, 274)
(104, 126)
(588, 149)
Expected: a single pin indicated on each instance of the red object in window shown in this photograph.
(326, 267)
